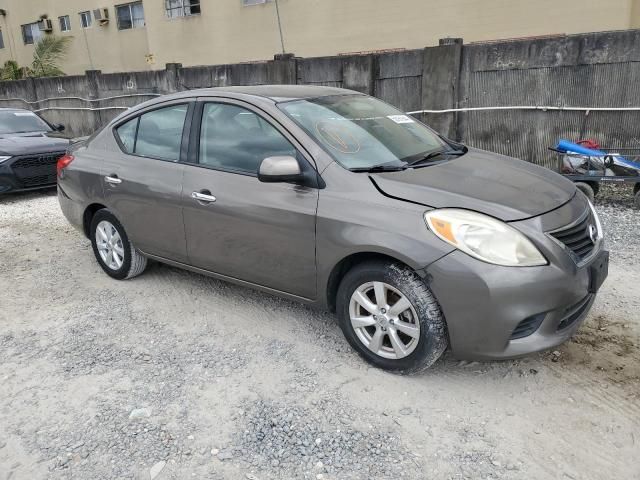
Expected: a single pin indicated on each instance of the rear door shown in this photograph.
(263, 233)
(143, 180)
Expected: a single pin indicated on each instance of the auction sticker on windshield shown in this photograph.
(400, 118)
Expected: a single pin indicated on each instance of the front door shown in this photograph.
(263, 233)
(143, 183)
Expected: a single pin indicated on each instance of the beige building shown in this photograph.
(113, 35)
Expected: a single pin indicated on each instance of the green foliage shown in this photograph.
(48, 54)
(12, 71)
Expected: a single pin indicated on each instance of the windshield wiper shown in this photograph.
(380, 168)
(437, 153)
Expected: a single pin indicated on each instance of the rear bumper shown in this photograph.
(73, 211)
(28, 172)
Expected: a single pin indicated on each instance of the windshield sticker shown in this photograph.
(337, 138)
(400, 118)
(24, 114)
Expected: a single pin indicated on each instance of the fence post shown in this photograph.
(93, 84)
(172, 71)
(441, 84)
(283, 69)
(30, 92)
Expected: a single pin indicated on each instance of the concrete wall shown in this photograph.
(228, 32)
(586, 70)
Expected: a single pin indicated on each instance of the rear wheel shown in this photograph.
(587, 190)
(637, 196)
(111, 246)
(390, 317)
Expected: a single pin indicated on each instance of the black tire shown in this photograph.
(587, 190)
(636, 200)
(595, 186)
(133, 263)
(433, 339)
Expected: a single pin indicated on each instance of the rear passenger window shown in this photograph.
(159, 133)
(127, 134)
(234, 138)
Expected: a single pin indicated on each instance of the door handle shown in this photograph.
(113, 179)
(203, 196)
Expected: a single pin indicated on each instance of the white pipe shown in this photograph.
(81, 99)
(88, 109)
(531, 107)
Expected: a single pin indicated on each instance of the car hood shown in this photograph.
(32, 143)
(486, 182)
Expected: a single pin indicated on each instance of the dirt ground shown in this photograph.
(173, 375)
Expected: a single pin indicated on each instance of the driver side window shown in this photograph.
(236, 139)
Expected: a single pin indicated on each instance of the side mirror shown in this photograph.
(58, 127)
(284, 169)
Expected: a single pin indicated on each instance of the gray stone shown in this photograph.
(139, 413)
(156, 469)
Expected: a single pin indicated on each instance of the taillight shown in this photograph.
(63, 162)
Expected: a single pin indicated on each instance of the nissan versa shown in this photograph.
(334, 198)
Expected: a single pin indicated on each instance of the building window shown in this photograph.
(130, 15)
(1, 40)
(65, 23)
(182, 8)
(31, 33)
(85, 19)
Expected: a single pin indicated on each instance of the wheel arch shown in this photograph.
(87, 216)
(340, 269)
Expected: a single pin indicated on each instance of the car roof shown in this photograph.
(273, 93)
(276, 93)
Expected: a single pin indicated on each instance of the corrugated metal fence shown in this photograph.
(597, 70)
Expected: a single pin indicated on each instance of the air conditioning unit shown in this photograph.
(101, 15)
(45, 25)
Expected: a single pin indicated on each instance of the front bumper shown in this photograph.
(29, 172)
(495, 312)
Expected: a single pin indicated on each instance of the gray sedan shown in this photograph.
(336, 199)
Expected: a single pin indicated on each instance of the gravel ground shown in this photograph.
(173, 375)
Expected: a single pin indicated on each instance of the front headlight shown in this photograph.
(4, 159)
(484, 237)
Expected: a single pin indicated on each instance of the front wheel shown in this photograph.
(390, 317)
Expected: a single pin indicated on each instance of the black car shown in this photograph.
(29, 150)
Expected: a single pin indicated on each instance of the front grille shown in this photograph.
(34, 170)
(577, 237)
(575, 313)
(527, 326)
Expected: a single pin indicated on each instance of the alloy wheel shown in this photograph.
(384, 320)
(109, 245)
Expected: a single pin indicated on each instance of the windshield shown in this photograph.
(362, 132)
(21, 122)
